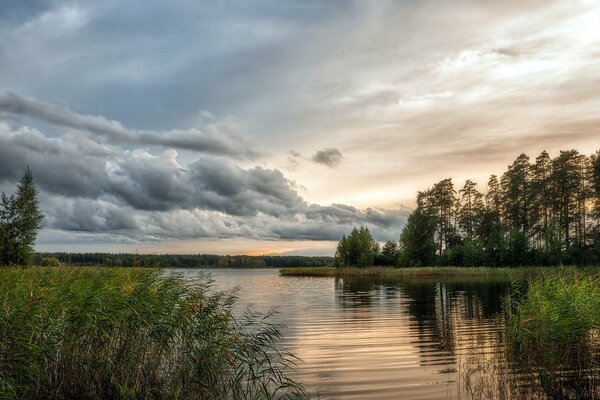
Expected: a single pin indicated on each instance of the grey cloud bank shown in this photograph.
(100, 188)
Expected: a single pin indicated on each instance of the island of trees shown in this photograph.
(539, 212)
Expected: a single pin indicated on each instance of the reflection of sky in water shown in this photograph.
(363, 338)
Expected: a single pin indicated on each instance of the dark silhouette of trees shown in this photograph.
(184, 260)
(388, 255)
(543, 213)
(417, 241)
(20, 222)
(358, 249)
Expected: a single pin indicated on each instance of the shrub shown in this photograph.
(50, 262)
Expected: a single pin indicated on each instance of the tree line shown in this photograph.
(544, 211)
(182, 260)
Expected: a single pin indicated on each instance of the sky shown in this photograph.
(275, 126)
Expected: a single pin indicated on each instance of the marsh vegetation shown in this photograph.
(91, 333)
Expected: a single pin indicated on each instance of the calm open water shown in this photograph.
(365, 338)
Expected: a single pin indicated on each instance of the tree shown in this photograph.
(541, 194)
(493, 199)
(471, 208)
(417, 243)
(439, 203)
(595, 184)
(517, 248)
(358, 249)
(20, 222)
(389, 253)
(568, 183)
(473, 254)
(8, 230)
(516, 193)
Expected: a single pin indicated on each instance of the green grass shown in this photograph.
(389, 272)
(553, 332)
(130, 333)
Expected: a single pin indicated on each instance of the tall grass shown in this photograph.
(132, 334)
(550, 337)
(389, 272)
(553, 333)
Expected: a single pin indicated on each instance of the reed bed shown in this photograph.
(549, 342)
(390, 272)
(553, 333)
(92, 333)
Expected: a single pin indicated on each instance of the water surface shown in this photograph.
(366, 338)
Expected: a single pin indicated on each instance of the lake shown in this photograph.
(366, 338)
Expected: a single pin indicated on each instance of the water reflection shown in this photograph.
(443, 315)
(365, 337)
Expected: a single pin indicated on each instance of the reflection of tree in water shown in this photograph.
(437, 308)
(363, 292)
(443, 310)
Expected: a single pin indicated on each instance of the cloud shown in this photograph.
(139, 195)
(330, 157)
(220, 138)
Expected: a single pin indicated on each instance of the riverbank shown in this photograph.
(132, 333)
(389, 272)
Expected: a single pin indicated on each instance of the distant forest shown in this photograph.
(539, 212)
(183, 261)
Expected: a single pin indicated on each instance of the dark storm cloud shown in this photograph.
(89, 216)
(220, 139)
(331, 157)
(99, 188)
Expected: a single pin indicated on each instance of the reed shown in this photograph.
(91, 333)
(553, 333)
(549, 342)
(389, 272)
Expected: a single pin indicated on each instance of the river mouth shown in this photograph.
(373, 338)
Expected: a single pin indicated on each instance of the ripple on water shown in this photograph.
(368, 339)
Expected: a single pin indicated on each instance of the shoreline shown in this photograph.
(426, 272)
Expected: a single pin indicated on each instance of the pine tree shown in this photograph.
(20, 222)
(568, 176)
(541, 196)
(8, 232)
(471, 208)
(516, 193)
(493, 198)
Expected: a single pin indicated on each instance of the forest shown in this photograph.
(181, 260)
(544, 211)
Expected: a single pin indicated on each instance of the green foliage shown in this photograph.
(473, 252)
(417, 245)
(388, 255)
(130, 333)
(413, 272)
(552, 333)
(20, 221)
(358, 249)
(50, 262)
(555, 247)
(184, 260)
(517, 248)
(545, 213)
